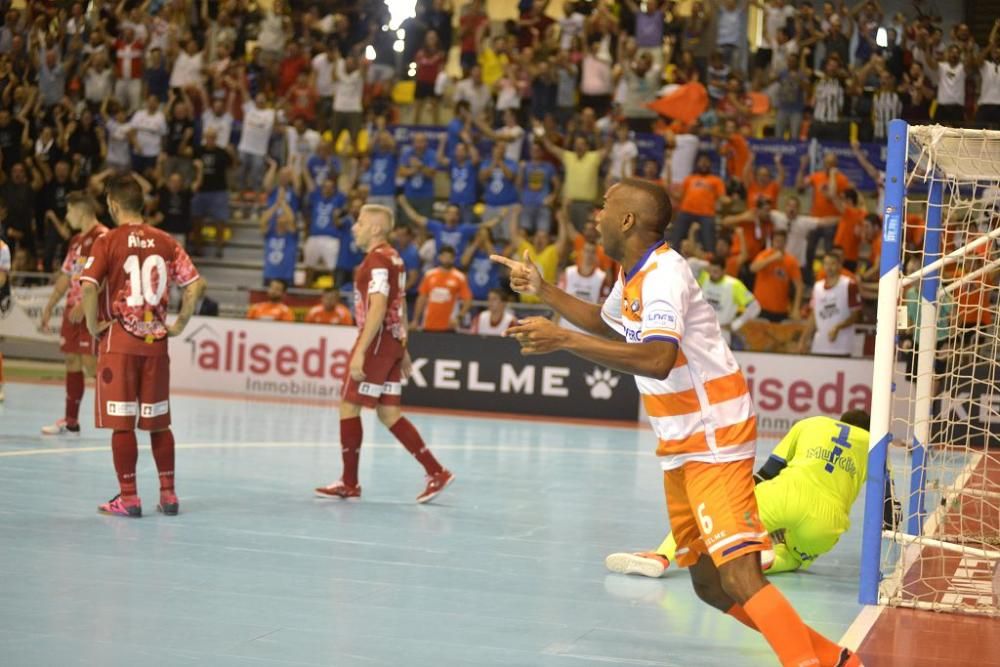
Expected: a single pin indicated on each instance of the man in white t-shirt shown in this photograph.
(349, 75)
(798, 227)
(474, 91)
(258, 123)
(583, 280)
(497, 317)
(148, 127)
(622, 156)
(950, 86)
(218, 119)
(988, 104)
(302, 142)
(835, 307)
(323, 81)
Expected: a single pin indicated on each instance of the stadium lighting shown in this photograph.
(370, 52)
(398, 46)
(400, 10)
(882, 37)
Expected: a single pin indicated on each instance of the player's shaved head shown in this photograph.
(635, 212)
(387, 218)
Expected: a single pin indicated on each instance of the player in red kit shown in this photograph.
(379, 360)
(130, 270)
(75, 341)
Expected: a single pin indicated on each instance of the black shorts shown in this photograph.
(425, 90)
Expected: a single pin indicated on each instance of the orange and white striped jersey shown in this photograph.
(703, 410)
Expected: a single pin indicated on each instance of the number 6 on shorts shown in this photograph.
(706, 521)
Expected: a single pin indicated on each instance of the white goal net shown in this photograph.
(937, 371)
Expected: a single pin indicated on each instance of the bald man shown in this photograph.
(699, 406)
(379, 360)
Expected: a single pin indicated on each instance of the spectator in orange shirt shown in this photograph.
(736, 150)
(274, 308)
(760, 180)
(776, 273)
(441, 289)
(849, 229)
(826, 186)
(872, 233)
(330, 310)
(701, 192)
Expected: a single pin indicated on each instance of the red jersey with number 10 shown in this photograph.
(382, 272)
(136, 265)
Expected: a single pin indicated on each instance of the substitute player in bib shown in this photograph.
(834, 309)
(699, 405)
(74, 339)
(130, 271)
(804, 492)
(379, 360)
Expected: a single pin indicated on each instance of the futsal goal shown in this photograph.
(935, 426)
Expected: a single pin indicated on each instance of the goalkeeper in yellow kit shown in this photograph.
(804, 495)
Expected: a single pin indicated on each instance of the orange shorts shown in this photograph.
(713, 512)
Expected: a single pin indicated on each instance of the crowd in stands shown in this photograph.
(290, 112)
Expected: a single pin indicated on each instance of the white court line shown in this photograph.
(861, 626)
(48, 451)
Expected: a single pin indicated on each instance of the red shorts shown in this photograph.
(75, 339)
(131, 386)
(383, 377)
(713, 511)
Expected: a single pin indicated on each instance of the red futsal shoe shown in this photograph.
(339, 490)
(435, 485)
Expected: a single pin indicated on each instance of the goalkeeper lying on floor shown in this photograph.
(804, 495)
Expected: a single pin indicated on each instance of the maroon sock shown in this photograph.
(74, 394)
(126, 453)
(163, 454)
(407, 434)
(350, 448)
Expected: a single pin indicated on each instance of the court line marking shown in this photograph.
(861, 626)
(49, 451)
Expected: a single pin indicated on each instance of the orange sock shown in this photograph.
(782, 628)
(827, 652)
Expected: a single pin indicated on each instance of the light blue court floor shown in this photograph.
(504, 568)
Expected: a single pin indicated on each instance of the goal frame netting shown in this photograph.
(943, 159)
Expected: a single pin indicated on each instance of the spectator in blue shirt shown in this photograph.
(381, 172)
(417, 164)
(462, 178)
(404, 241)
(450, 231)
(281, 235)
(483, 273)
(350, 254)
(323, 163)
(457, 129)
(499, 188)
(538, 182)
(324, 207)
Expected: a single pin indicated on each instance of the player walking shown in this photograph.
(379, 360)
(699, 406)
(132, 267)
(75, 341)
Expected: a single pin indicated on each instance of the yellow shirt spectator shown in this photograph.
(493, 65)
(547, 261)
(582, 179)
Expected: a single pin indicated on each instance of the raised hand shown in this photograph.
(524, 276)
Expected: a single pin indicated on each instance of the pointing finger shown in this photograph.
(500, 259)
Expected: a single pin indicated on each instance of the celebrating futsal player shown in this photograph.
(699, 406)
(379, 360)
(74, 339)
(131, 268)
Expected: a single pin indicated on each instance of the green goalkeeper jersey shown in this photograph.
(826, 457)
